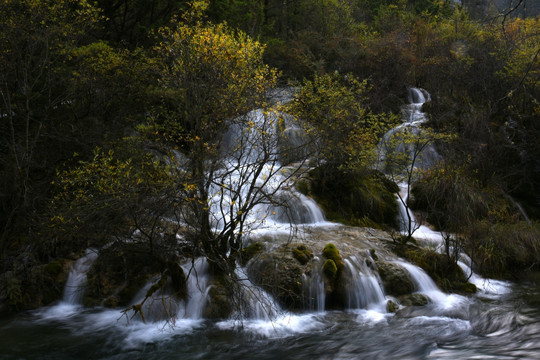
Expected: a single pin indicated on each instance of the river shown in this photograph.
(485, 326)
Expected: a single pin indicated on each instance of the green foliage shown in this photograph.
(357, 198)
(333, 108)
(110, 195)
(504, 250)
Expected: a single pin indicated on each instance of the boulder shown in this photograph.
(395, 279)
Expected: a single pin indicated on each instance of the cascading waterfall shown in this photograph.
(258, 304)
(244, 151)
(364, 289)
(197, 286)
(76, 282)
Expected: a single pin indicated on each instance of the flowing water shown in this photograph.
(502, 321)
(505, 326)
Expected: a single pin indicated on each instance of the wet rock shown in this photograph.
(250, 251)
(219, 302)
(395, 279)
(391, 306)
(414, 300)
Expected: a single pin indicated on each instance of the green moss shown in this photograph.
(468, 288)
(303, 186)
(391, 306)
(330, 269)
(302, 254)
(250, 251)
(331, 252)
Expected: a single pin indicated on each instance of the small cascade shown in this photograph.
(163, 305)
(488, 288)
(314, 287)
(392, 143)
(253, 151)
(197, 287)
(297, 209)
(76, 282)
(257, 303)
(364, 290)
(425, 285)
(405, 213)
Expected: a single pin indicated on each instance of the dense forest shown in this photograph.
(114, 113)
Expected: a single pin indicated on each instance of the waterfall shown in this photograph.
(425, 285)
(163, 305)
(257, 303)
(392, 142)
(268, 140)
(314, 288)
(76, 282)
(364, 290)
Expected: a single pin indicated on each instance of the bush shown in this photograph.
(504, 250)
(355, 198)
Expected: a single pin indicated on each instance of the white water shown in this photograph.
(239, 183)
(364, 289)
(314, 287)
(162, 305)
(76, 282)
(425, 285)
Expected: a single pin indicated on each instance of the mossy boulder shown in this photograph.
(333, 268)
(219, 302)
(250, 251)
(415, 299)
(119, 272)
(302, 254)
(330, 269)
(391, 306)
(396, 280)
(280, 274)
(357, 198)
(331, 252)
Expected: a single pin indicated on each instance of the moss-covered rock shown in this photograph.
(331, 252)
(396, 280)
(355, 198)
(414, 300)
(391, 306)
(119, 272)
(250, 251)
(335, 286)
(219, 302)
(330, 269)
(279, 273)
(302, 254)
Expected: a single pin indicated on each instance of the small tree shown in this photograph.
(211, 79)
(402, 153)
